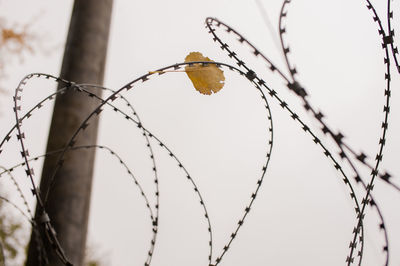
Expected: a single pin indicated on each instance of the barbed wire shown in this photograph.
(111, 98)
(346, 152)
(282, 103)
(151, 135)
(338, 138)
(40, 104)
(295, 86)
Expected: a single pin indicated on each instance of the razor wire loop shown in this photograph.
(155, 223)
(145, 78)
(338, 137)
(283, 104)
(253, 196)
(71, 85)
(318, 115)
(76, 87)
(247, 209)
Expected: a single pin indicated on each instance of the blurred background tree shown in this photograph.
(15, 41)
(12, 242)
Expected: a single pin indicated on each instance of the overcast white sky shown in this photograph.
(303, 214)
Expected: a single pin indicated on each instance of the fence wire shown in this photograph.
(347, 153)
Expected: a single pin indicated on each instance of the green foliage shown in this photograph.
(10, 235)
(12, 240)
(92, 263)
(92, 256)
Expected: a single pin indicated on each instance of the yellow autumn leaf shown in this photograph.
(205, 78)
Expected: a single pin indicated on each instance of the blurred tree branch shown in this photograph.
(15, 40)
